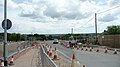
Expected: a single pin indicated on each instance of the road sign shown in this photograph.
(9, 24)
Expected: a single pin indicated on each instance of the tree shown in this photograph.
(112, 30)
(50, 37)
(42, 37)
(66, 37)
(18, 37)
(14, 37)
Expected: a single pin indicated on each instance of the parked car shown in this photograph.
(55, 41)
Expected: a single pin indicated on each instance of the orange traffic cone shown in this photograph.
(97, 50)
(73, 46)
(77, 47)
(55, 55)
(82, 48)
(106, 51)
(90, 49)
(55, 49)
(2, 63)
(86, 49)
(50, 51)
(83, 66)
(73, 60)
(115, 51)
(11, 61)
(46, 45)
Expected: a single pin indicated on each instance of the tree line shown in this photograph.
(111, 30)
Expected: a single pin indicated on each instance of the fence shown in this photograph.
(110, 40)
(107, 40)
(46, 60)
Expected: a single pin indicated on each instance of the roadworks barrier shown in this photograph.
(46, 59)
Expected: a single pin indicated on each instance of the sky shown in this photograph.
(60, 16)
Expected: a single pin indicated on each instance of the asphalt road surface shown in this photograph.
(90, 59)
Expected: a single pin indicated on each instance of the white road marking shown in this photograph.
(64, 55)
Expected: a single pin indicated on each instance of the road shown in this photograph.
(90, 59)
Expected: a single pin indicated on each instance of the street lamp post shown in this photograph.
(5, 53)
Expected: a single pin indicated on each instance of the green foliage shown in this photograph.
(14, 37)
(36, 37)
(67, 36)
(50, 37)
(42, 37)
(112, 30)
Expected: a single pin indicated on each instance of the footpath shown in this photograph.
(30, 59)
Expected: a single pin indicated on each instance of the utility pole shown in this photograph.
(96, 38)
(5, 53)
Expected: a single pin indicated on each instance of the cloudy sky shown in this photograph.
(59, 16)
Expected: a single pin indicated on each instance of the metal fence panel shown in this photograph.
(46, 60)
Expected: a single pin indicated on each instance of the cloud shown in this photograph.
(61, 10)
(52, 12)
(59, 16)
(55, 13)
(107, 18)
(10, 4)
(110, 14)
(113, 2)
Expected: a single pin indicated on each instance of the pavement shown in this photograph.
(30, 59)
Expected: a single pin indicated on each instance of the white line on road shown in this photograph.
(65, 55)
(78, 62)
